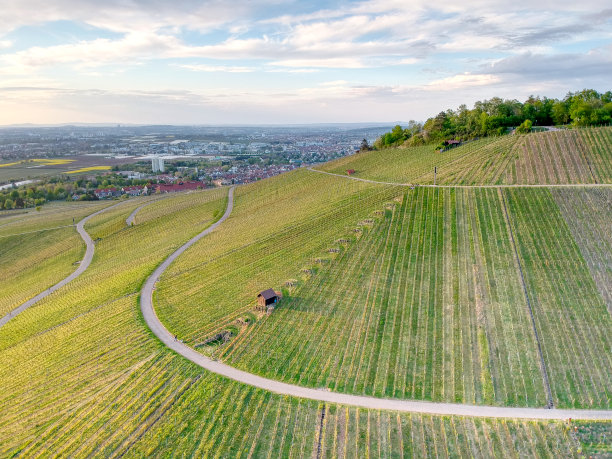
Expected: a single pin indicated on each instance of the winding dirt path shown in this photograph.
(158, 329)
(131, 219)
(550, 185)
(83, 265)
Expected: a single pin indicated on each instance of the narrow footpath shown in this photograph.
(83, 265)
(550, 185)
(158, 329)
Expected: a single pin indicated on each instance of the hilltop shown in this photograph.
(576, 156)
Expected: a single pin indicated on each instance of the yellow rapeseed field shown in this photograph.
(91, 168)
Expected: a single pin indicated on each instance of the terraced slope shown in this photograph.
(120, 263)
(416, 165)
(440, 299)
(70, 362)
(557, 157)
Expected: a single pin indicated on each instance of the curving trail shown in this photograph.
(550, 185)
(83, 265)
(158, 329)
(130, 220)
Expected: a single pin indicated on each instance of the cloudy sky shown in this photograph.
(283, 61)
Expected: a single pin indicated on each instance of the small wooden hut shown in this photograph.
(267, 299)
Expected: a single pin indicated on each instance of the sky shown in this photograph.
(290, 62)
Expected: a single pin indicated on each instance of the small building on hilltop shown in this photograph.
(267, 299)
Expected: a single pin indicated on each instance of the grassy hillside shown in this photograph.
(38, 249)
(70, 362)
(82, 376)
(427, 304)
(388, 291)
(570, 313)
(276, 230)
(588, 215)
(558, 157)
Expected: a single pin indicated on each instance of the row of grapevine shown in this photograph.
(50, 216)
(588, 214)
(123, 258)
(427, 305)
(570, 314)
(554, 157)
(270, 237)
(244, 422)
(38, 249)
(81, 376)
(462, 165)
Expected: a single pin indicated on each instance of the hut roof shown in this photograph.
(267, 294)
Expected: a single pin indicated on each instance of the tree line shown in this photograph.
(499, 116)
(60, 189)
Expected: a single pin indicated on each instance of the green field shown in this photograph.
(393, 292)
(557, 157)
(82, 376)
(569, 311)
(38, 249)
(426, 305)
(276, 230)
(589, 217)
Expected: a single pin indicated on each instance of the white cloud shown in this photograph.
(101, 51)
(472, 47)
(217, 68)
(462, 81)
(344, 63)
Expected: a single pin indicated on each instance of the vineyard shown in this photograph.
(384, 321)
(557, 157)
(569, 311)
(38, 249)
(272, 237)
(481, 296)
(588, 214)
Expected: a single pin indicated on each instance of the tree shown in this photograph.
(560, 113)
(524, 128)
(365, 146)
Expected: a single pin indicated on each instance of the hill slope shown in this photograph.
(422, 296)
(556, 157)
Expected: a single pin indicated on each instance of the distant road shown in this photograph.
(158, 329)
(83, 265)
(554, 185)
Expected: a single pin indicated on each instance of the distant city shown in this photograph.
(102, 162)
(307, 143)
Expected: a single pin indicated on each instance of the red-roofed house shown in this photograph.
(135, 190)
(104, 193)
(182, 186)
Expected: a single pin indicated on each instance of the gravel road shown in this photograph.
(152, 321)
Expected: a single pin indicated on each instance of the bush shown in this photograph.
(524, 128)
